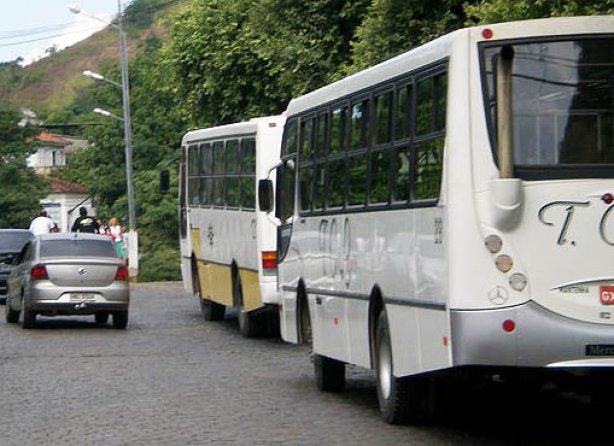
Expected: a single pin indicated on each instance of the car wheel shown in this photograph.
(120, 319)
(28, 318)
(101, 318)
(12, 316)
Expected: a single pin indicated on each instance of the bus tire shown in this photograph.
(401, 400)
(212, 311)
(251, 325)
(330, 373)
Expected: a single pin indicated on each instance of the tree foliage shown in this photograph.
(391, 27)
(495, 11)
(234, 59)
(20, 188)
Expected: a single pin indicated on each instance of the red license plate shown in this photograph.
(606, 295)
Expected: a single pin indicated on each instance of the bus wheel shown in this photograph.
(401, 400)
(212, 311)
(330, 373)
(250, 325)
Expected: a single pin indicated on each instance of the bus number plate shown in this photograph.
(606, 295)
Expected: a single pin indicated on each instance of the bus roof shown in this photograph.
(236, 129)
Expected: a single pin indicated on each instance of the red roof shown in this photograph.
(60, 186)
(51, 138)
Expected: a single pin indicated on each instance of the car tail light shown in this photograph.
(39, 272)
(122, 273)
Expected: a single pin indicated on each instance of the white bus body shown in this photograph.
(436, 261)
(227, 245)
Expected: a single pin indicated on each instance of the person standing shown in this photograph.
(85, 223)
(42, 224)
(117, 232)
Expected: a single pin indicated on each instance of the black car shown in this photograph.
(11, 243)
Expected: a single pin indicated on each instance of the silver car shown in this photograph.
(69, 274)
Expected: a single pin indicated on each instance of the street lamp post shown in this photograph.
(133, 257)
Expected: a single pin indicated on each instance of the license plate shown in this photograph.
(606, 294)
(81, 297)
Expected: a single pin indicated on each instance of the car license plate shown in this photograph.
(81, 297)
(606, 294)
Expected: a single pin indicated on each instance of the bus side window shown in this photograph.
(381, 169)
(402, 115)
(359, 124)
(306, 138)
(193, 171)
(337, 129)
(285, 187)
(206, 162)
(233, 191)
(219, 166)
(248, 173)
(441, 89)
(290, 138)
(401, 175)
(428, 171)
(383, 123)
(321, 135)
(424, 106)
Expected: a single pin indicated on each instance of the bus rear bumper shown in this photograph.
(540, 338)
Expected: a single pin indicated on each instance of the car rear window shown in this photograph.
(78, 248)
(13, 241)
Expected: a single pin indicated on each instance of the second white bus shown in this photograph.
(228, 247)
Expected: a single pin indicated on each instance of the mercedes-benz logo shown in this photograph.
(82, 271)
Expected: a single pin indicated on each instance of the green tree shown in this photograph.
(20, 188)
(392, 27)
(235, 59)
(495, 11)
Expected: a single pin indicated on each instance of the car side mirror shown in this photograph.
(165, 182)
(265, 195)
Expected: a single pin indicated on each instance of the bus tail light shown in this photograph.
(509, 325)
(269, 262)
(504, 263)
(39, 272)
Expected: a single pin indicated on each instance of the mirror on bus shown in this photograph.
(265, 195)
(164, 181)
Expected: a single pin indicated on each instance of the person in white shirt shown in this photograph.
(42, 224)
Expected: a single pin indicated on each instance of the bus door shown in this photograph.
(331, 309)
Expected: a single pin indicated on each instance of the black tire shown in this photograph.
(212, 311)
(12, 316)
(251, 325)
(304, 320)
(408, 400)
(330, 373)
(28, 318)
(101, 318)
(120, 319)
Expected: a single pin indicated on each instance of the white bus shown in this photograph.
(450, 210)
(227, 246)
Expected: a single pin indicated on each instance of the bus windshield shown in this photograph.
(563, 104)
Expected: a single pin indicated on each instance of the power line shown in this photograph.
(21, 42)
(8, 35)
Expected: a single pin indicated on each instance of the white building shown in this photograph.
(63, 202)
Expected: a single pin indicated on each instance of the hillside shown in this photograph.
(55, 83)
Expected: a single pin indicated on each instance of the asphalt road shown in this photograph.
(172, 379)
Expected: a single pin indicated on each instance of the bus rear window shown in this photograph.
(563, 105)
